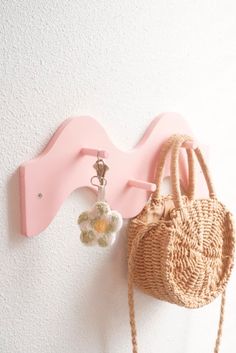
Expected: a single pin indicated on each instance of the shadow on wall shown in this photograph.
(15, 238)
(105, 311)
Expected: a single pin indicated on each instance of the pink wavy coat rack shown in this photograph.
(67, 164)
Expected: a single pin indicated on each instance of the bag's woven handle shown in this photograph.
(165, 149)
(178, 143)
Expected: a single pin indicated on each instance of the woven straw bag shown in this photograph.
(180, 248)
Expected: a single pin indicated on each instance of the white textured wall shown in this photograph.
(122, 62)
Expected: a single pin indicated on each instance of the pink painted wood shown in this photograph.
(67, 164)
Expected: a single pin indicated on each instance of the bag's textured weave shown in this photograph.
(181, 249)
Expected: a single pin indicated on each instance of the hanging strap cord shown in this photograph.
(131, 266)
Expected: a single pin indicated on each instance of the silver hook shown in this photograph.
(101, 168)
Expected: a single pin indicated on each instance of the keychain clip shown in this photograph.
(101, 168)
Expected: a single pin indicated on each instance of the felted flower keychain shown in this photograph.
(100, 224)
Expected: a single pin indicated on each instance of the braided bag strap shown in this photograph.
(178, 143)
(220, 324)
(166, 147)
(131, 265)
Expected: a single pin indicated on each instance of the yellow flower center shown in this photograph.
(100, 225)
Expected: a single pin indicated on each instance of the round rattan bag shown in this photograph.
(180, 248)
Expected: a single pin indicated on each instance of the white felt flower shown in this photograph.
(99, 225)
